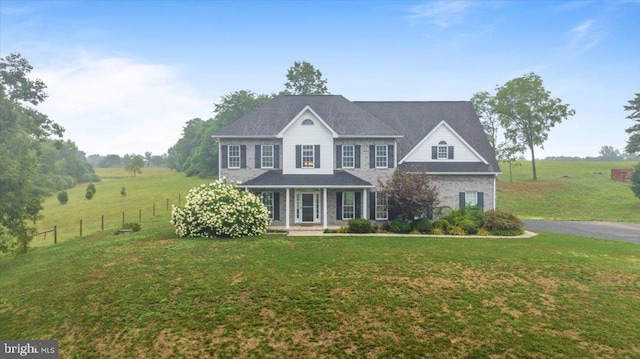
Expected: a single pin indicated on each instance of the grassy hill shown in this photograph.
(157, 186)
(568, 191)
(152, 294)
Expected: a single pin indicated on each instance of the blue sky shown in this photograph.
(125, 76)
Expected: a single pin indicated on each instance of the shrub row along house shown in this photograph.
(319, 160)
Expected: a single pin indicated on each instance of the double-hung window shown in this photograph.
(381, 156)
(348, 156)
(348, 205)
(382, 211)
(267, 200)
(308, 156)
(471, 198)
(233, 156)
(266, 154)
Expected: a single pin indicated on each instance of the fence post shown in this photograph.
(167, 204)
(179, 201)
(55, 234)
(154, 209)
(80, 228)
(102, 221)
(123, 218)
(140, 215)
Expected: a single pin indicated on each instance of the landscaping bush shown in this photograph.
(469, 218)
(502, 223)
(457, 231)
(91, 188)
(123, 192)
(422, 225)
(133, 226)
(63, 197)
(399, 226)
(441, 224)
(88, 195)
(437, 231)
(62, 182)
(220, 210)
(359, 225)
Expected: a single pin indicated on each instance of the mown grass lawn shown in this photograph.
(568, 190)
(154, 295)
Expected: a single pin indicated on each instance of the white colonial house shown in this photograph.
(318, 160)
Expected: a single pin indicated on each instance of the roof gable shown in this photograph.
(300, 115)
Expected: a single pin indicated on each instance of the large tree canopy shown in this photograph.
(485, 106)
(527, 112)
(304, 79)
(23, 130)
(633, 143)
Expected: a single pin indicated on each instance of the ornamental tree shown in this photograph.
(409, 195)
(220, 209)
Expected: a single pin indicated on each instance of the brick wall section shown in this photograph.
(622, 175)
(250, 172)
(449, 188)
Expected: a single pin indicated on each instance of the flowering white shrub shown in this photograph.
(220, 210)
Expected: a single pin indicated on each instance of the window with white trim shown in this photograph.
(443, 150)
(382, 211)
(233, 156)
(268, 201)
(308, 156)
(348, 156)
(348, 205)
(471, 198)
(266, 153)
(381, 156)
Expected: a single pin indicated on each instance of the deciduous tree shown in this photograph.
(528, 112)
(633, 143)
(485, 106)
(134, 164)
(304, 79)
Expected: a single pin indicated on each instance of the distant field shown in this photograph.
(154, 185)
(568, 191)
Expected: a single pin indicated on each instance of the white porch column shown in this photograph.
(365, 203)
(324, 208)
(287, 210)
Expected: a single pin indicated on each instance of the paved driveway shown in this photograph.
(626, 232)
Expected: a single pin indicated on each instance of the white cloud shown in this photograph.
(441, 13)
(584, 36)
(118, 105)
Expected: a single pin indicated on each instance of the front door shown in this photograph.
(308, 207)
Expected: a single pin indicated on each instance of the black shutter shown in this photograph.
(358, 205)
(338, 156)
(450, 152)
(276, 206)
(276, 156)
(298, 156)
(223, 154)
(372, 156)
(391, 157)
(243, 156)
(339, 206)
(258, 156)
(462, 200)
(481, 200)
(316, 152)
(357, 155)
(434, 152)
(372, 205)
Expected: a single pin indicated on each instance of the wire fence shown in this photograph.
(95, 224)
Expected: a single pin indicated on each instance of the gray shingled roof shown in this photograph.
(414, 120)
(448, 167)
(342, 115)
(275, 178)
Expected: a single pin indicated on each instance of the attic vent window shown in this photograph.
(307, 122)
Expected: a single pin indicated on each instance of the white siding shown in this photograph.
(297, 134)
(462, 153)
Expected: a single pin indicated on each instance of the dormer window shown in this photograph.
(307, 122)
(443, 150)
